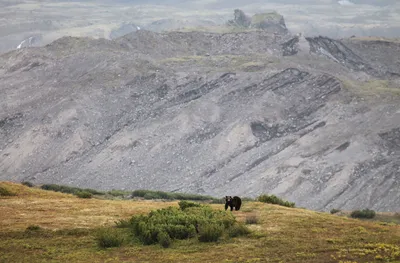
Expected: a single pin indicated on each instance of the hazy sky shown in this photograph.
(47, 20)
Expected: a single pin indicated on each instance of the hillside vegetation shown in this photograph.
(45, 226)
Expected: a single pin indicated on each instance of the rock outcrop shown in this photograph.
(271, 22)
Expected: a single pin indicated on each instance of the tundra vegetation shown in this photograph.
(47, 226)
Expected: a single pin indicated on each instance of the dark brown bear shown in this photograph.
(234, 202)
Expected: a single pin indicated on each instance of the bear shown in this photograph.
(234, 202)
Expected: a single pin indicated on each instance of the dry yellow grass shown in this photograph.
(55, 210)
(280, 235)
(29, 192)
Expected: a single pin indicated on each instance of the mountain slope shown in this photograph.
(207, 113)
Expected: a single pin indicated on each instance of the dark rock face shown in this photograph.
(241, 19)
(338, 52)
(177, 112)
(271, 22)
(290, 47)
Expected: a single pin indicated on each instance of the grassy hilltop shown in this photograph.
(46, 226)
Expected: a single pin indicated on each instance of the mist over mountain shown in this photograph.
(50, 20)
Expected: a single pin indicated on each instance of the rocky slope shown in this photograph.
(313, 120)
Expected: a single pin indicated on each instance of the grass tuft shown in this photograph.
(251, 219)
(109, 237)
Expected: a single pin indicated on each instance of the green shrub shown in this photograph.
(117, 193)
(238, 230)
(109, 237)
(272, 199)
(139, 193)
(164, 239)
(5, 192)
(92, 191)
(177, 224)
(334, 211)
(148, 194)
(26, 183)
(366, 213)
(69, 189)
(84, 194)
(122, 223)
(251, 219)
(211, 232)
(185, 204)
(186, 222)
(59, 188)
(151, 196)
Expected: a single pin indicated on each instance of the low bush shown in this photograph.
(334, 211)
(238, 230)
(6, 192)
(109, 237)
(189, 221)
(151, 196)
(84, 194)
(272, 199)
(117, 193)
(211, 232)
(26, 183)
(148, 194)
(123, 223)
(185, 204)
(366, 213)
(69, 189)
(164, 239)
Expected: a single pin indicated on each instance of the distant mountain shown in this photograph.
(242, 112)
